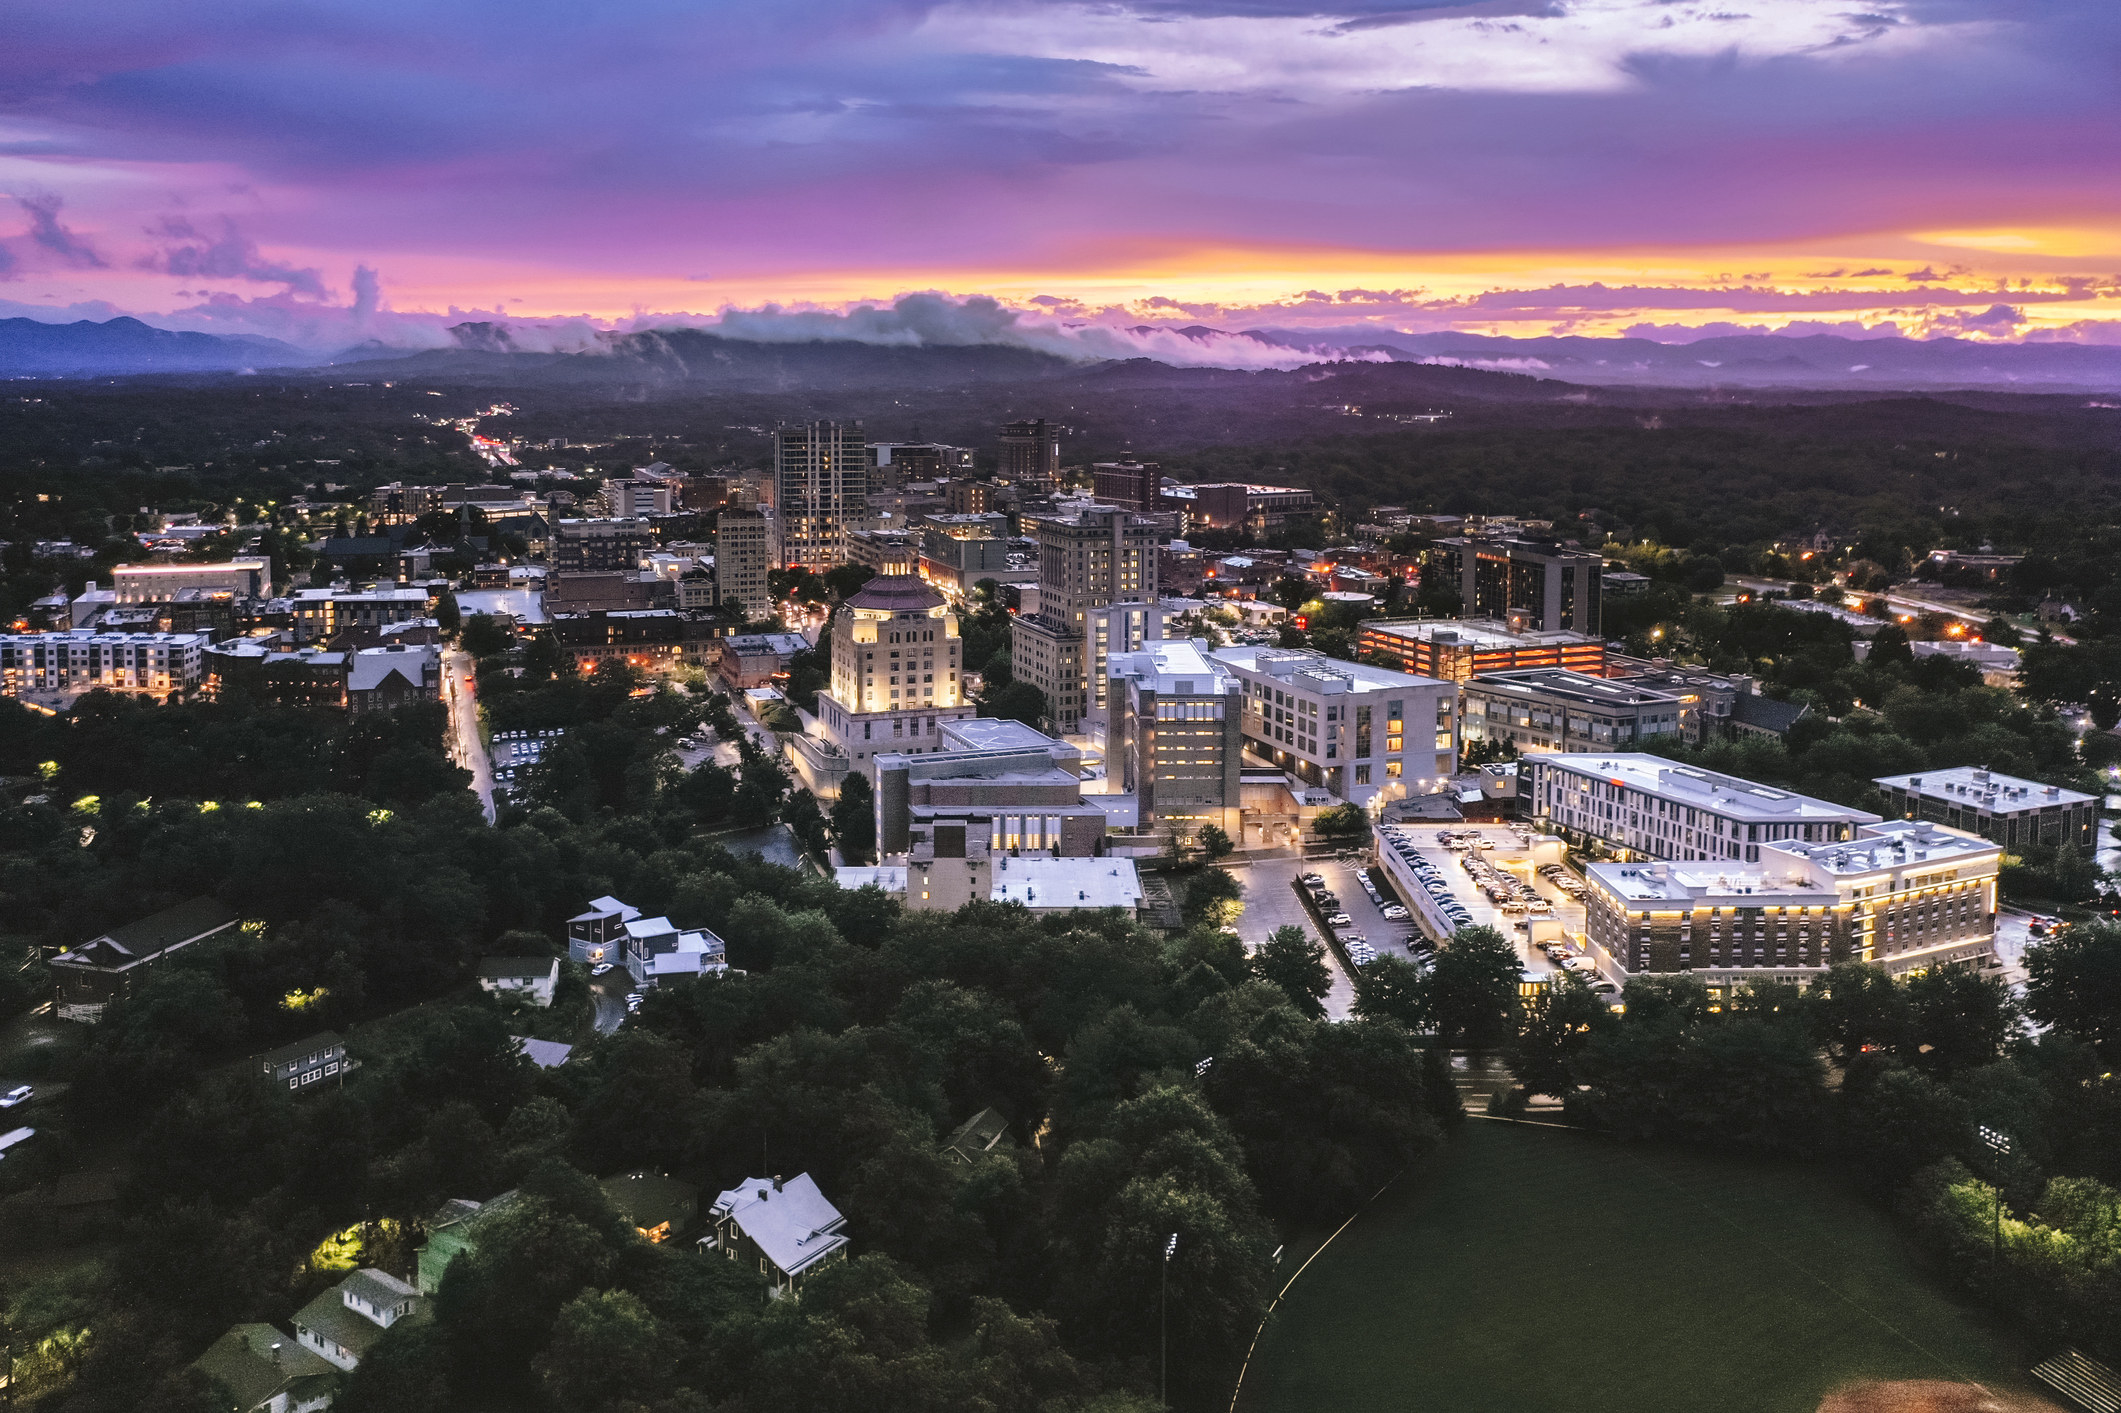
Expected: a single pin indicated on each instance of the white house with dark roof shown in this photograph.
(787, 1227)
(344, 1323)
(534, 979)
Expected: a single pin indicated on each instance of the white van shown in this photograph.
(13, 1137)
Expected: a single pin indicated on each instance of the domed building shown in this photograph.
(897, 675)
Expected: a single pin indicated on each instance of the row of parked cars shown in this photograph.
(1432, 882)
(1571, 960)
(1566, 881)
(1508, 893)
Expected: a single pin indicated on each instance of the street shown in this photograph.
(460, 690)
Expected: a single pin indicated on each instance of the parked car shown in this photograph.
(20, 1094)
(1605, 988)
(1339, 920)
(1394, 912)
(1315, 880)
(1328, 901)
(602, 968)
(1579, 964)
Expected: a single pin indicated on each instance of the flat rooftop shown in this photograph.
(1316, 671)
(1726, 794)
(1471, 633)
(1176, 667)
(1983, 789)
(1680, 883)
(1560, 682)
(1916, 845)
(1067, 883)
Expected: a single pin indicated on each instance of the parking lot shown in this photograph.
(1511, 856)
(1271, 902)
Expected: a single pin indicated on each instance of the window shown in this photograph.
(1362, 774)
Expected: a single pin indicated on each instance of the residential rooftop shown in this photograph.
(1984, 789)
(1727, 795)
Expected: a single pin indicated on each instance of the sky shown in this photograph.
(1062, 173)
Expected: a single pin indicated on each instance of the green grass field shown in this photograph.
(1540, 1270)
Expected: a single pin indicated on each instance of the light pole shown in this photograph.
(1163, 1336)
(1999, 1143)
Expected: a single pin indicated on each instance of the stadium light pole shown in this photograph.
(1999, 1143)
(1163, 1327)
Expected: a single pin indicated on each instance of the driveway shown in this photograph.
(608, 994)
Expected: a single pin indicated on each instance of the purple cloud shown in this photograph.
(231, 255)
(61, 244)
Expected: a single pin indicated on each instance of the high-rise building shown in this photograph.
(1100, 558)
(1030, 454)
(743, 553)
(1528, 583)
(897, 678)
(821, 489)
(1176, 741)
(895, 463)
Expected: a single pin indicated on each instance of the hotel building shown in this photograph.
(1647, 807)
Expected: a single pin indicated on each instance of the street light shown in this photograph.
(1163, 1337)
(1999, 1143)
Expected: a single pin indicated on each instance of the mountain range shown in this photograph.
(487, 353)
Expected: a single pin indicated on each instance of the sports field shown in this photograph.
(1542, 1271)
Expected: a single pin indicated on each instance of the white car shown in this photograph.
(1393, 912)
(1339, 920)
(20, 1094)
(602, 968)
(1579, 964)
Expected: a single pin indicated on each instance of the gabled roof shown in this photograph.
(791, 1222)
(373, 668)
(323, 1042)
(605, 907)
(247, 1363)
(982, 1133)
(151, 936)
(517, 968)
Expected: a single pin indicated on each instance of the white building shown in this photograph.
(345, 1322)
(1065, 885)
(139, 664)
(1358, 731)
(160, 583)
(1647, 807)
(1902, 895)
(896, 682)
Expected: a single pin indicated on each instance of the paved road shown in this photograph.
(1271, 902)
(611, 1005)
(460, 690)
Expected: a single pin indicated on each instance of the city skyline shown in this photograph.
(1927, 167)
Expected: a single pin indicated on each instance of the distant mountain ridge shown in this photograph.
(83, 349)
(491, 353)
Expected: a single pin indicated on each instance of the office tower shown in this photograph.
(1030, 454)
(821, 488)
(1528, 583)
(743, 553)
(897, 678)
(1098, 559)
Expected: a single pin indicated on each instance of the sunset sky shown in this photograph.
(323, 170)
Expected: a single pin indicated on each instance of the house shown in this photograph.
(976, 1137)
(91, 975)
(545, 1054)
(787, 1227)
(264, 1371)
(451, 1232)
(532, 978)
(659, 1206)
(384, 679)
(754, 659)
(341, 1325)
(306, 1063)
(598, 933)
(656, 950)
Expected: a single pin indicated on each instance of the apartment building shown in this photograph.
(1242, 505)
(1176, 741)
(610, 542)
(1137, 485)
(1554, 709)
(1455, 649)
(1998, 807)
(82, 660)
(321, 614)
(1903, 895)
(743, 556)
(1647, 807)
(1356, 730)
(1030, 455)
(821, 490)
(1094, 559)
(1528, 583)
